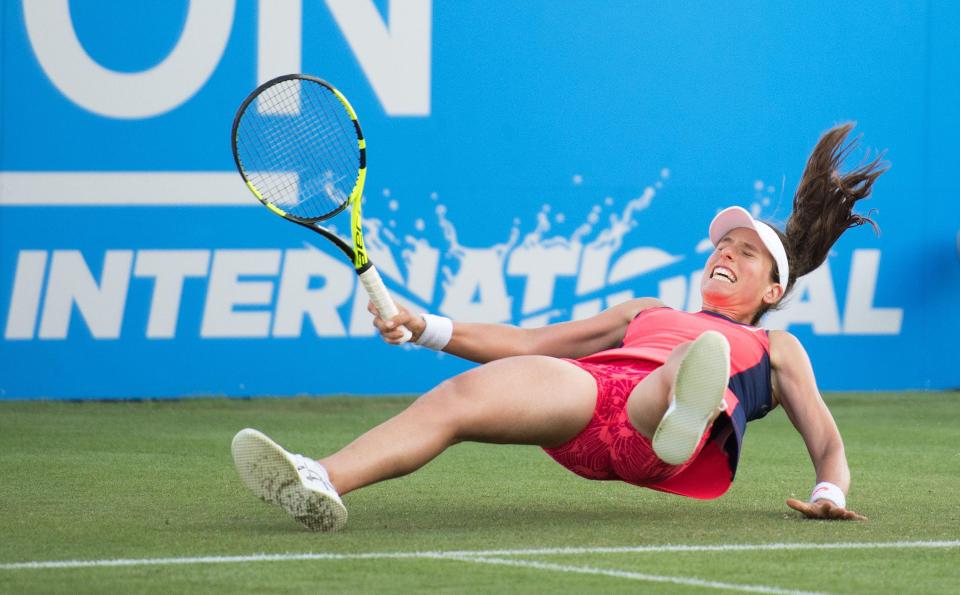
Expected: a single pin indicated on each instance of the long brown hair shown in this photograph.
(823, 205)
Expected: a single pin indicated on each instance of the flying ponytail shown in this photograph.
(824, 202)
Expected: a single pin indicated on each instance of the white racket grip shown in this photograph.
(381, 298)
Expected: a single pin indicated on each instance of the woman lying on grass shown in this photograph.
(639, 393)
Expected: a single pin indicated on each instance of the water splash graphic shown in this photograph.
(596, 258)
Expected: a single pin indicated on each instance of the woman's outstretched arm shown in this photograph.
(484, 342)
(795, 386)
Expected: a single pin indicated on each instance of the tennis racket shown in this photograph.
(298, 145)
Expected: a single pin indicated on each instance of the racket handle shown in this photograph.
(381, 297)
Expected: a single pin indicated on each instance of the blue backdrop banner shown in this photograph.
(529, 163)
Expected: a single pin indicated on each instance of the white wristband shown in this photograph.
(827, 491)
(437, 332)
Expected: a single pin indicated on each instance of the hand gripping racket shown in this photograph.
(298, 145)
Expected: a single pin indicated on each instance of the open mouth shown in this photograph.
(723, 274)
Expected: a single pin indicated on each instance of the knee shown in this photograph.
(449, 403)
(446, 392)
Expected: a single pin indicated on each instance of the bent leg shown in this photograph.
(520, 400)
(651, 397)
(680, 400)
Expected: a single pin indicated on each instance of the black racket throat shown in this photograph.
(337, 241)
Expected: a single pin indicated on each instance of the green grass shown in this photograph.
(91, 481)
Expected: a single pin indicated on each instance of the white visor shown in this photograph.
(734, 217)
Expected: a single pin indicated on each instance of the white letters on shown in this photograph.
(279, 41)
(101, 305)
(478, 292)
(694, 299)
(296, 299)
(168, 268)
(541, 265)
(859, 315)
(593, 267)
(813, 302)
(25, 301)
(322, 289)
(395, 58)
(673, 292)
(226, 290)
(128, 95)
(421, 261)
(394, 55)
(640, 261)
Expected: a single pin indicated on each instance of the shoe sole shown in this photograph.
(267, 470)
(698, 393)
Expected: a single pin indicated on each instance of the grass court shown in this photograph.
(142, 497)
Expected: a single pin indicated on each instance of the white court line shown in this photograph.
(729, 547)
(638, 576)
(213, 560)
(52, 564)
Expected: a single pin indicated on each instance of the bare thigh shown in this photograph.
(518, 400)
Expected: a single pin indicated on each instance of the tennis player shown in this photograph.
(639, 393)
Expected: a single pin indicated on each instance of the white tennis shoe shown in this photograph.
(697, 397)
(296, 483)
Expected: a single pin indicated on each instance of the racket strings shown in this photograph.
(299, 149)
(316, 193)
(305, 128)
(332, 140)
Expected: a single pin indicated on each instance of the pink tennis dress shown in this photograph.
(609, 448)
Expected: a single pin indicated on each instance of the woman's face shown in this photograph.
(738, 274)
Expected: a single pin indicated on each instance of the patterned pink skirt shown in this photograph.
(610, 448)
